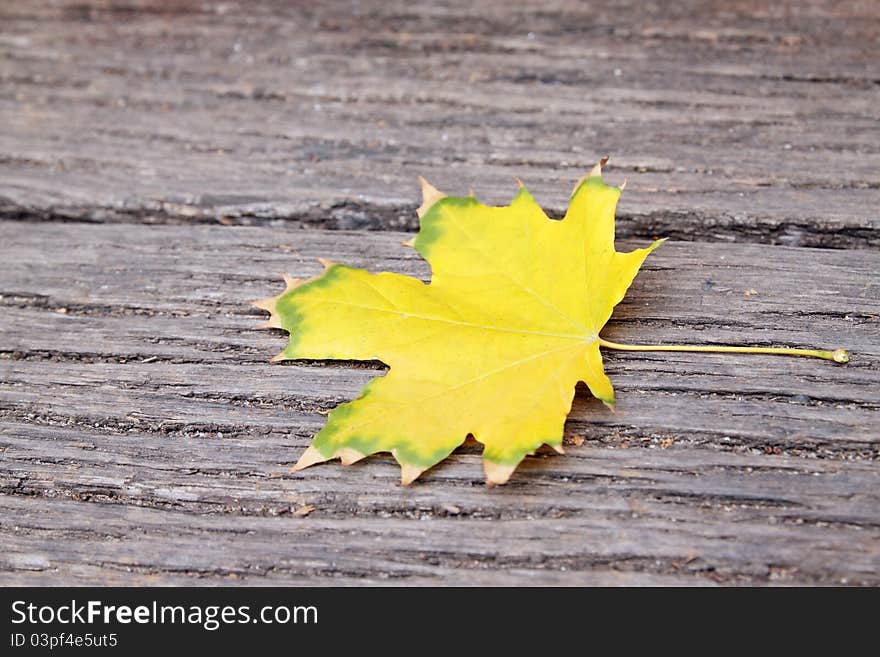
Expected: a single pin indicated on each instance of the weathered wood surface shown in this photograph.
(748, 120)
(143, 427)
(144, 439)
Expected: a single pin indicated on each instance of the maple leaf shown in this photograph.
(492, 347)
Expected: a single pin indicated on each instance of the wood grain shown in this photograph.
(161, 163)
(736, 121)
(141, 421)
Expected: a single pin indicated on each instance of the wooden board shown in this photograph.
(752, 121)
(161, 163)
(146, 438)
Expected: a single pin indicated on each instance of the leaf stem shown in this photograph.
(838, 355)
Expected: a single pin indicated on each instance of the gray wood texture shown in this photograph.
(162, 163)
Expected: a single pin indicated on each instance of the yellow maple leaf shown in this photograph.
(492, 347)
